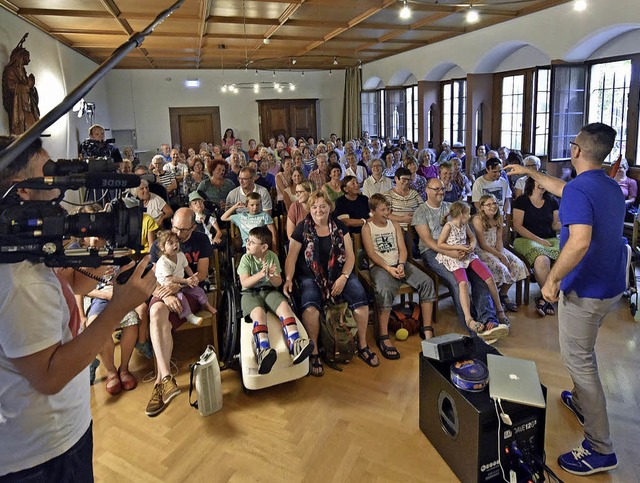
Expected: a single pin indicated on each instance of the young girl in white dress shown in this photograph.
(456, 237)
(504, 265)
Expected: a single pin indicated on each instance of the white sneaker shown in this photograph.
(194, 319)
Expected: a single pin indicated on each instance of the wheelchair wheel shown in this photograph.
(228, 326)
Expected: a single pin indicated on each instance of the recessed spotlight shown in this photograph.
(294, 61)
(266, 41)
(335, 61)
(472, 16)
(580, 5)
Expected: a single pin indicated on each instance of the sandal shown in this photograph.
(369, 357)
(508, 304)
(316, 369)
(475, 326)
(549, 309)
(541, 305)
(387, 351)
(128, 380)
(113, 385)
(423, 332)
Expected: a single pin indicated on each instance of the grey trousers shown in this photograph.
(579, 320)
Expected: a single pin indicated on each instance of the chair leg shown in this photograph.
(519, 285)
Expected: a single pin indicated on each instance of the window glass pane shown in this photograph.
(541, 130)
(567, 108)
(608, 99)
(512, 111)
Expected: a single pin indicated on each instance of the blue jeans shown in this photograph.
(311, 296)
(482, 308)
(73, 466)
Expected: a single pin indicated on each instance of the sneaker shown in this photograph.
(583, 460)
(194, 319)
(156, 405)
(92, 371)
(567, 400)
(170, 388)
(497, 332)
(266, 360)
(302, 348)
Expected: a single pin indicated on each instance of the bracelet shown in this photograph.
(345, 275)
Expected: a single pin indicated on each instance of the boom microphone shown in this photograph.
(99, 181)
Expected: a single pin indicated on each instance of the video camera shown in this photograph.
(36, 230)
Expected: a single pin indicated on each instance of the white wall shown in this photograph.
(57, 70)
(558, 33)
(140, 99)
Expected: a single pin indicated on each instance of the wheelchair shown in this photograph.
(235, 332)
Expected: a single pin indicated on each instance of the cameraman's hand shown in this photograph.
(137, 289)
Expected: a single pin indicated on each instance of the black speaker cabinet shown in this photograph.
(463, 426)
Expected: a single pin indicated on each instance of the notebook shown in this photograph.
(514, 380)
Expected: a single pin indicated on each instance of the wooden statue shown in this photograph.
(19, 93)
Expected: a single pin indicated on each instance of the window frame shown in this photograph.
(462, 116)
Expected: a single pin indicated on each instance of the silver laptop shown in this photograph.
(514, 380)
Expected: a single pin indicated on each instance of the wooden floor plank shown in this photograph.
(357, 425)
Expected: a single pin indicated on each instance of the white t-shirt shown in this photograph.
(385, 242)
(499, 188)
(34, 315)
(167, 268)
(155, 206)
(179, 169)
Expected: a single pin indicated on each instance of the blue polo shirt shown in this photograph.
(596, 200)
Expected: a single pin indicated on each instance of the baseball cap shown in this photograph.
(195, 196)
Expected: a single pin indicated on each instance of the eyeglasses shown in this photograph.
(252, 242)
(180, 230)
(572, 144)
(437, 190)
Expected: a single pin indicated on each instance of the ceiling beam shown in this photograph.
(204, 9)
(351, 23)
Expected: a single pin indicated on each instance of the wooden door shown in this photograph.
(191, 126)
(295, 117)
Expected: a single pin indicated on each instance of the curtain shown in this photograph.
(352, 111)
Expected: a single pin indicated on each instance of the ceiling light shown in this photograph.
(292, 87)
(224, 88)
(580, 5)
(266, 41)
(405, 11)
(276, 86)
(294, 61)
(472, 16)
(335, 61)
(192, 83)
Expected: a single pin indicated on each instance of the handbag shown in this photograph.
(205, 378)
(337, 332)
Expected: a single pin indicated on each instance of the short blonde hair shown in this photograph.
(317, 195)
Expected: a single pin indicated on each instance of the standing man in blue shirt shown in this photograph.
(588, 279)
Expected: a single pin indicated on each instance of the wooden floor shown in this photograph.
(358, 425)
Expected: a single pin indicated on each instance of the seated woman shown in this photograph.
(154, 205)
(299, 209)
(194, 177)
(427, 163)
(460, 178)
(629, 187)
(536, 221)
(452, 191)
(217, 187)
(289, 194)
(418, 182)
(354, 169)
(333, 186)
(321, 258)
(504, 265)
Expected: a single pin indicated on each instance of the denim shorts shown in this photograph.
(311, 296)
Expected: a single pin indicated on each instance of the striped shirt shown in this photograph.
(404, 205)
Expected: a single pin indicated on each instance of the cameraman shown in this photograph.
(96, 146)
(45, 414)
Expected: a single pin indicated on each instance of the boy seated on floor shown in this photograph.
(259, 271)
(253, 217)
(383, 241)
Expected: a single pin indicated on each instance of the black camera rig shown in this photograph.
(38, 230)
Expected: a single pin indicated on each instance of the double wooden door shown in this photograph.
(294, 117)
